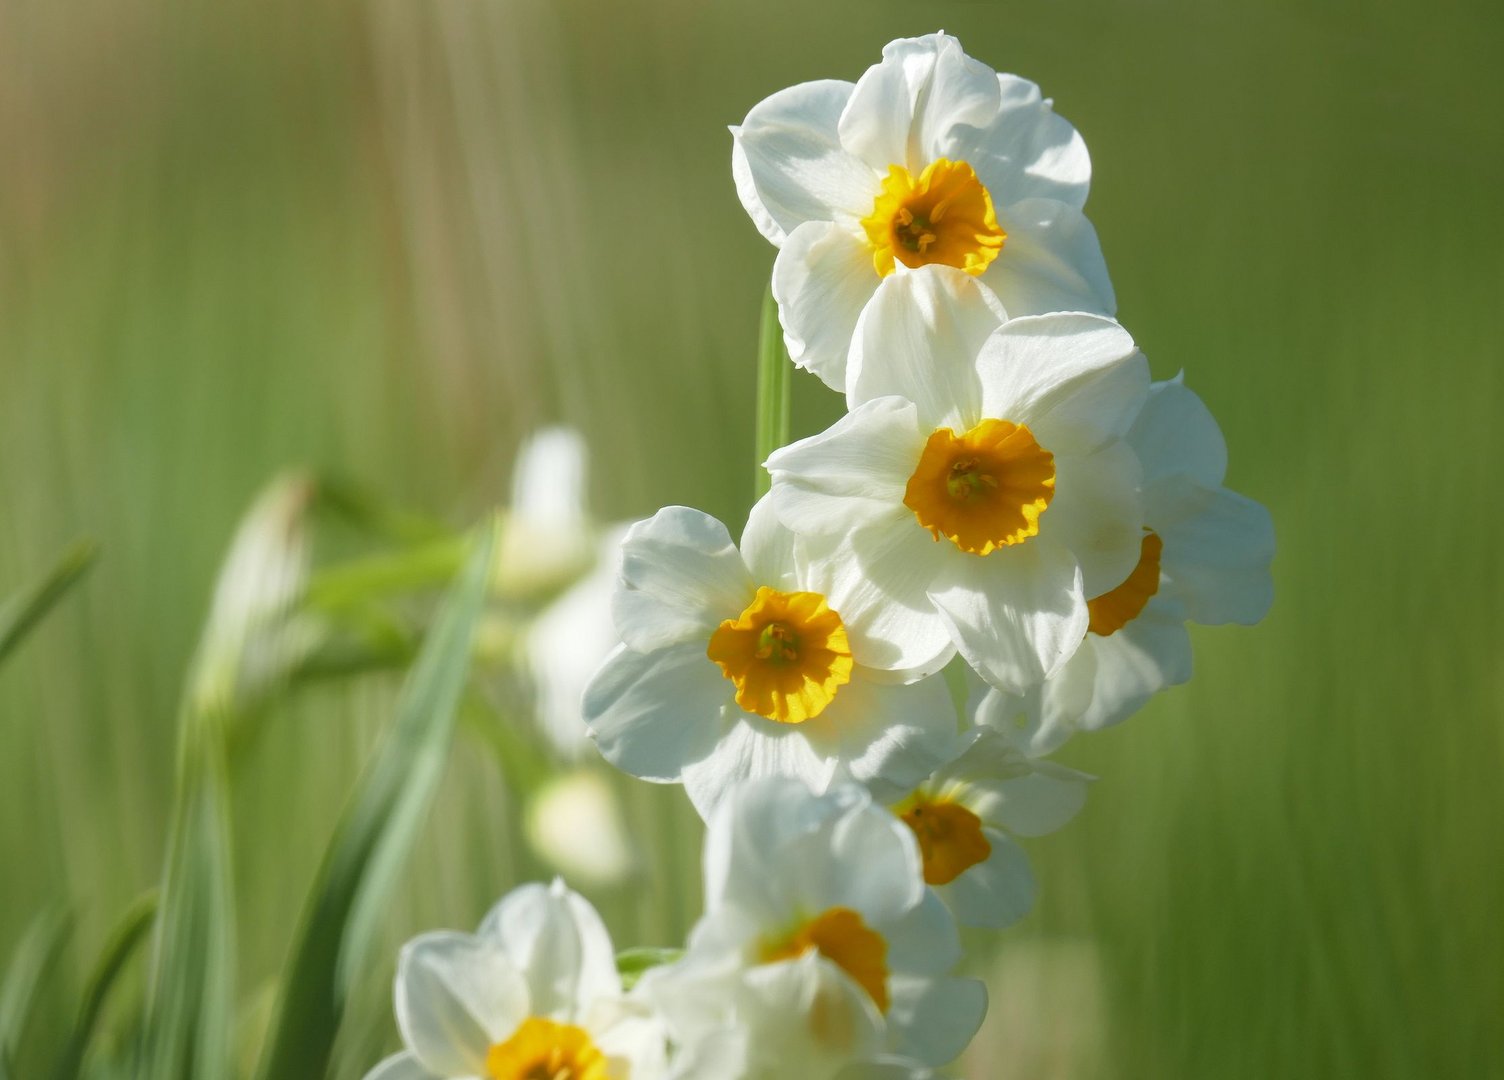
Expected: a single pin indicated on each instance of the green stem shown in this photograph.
(773, 386)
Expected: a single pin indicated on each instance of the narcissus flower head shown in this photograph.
(980, 484)
(533, 993)
(821, 899)
(965, 815)
(745, 663)
(930, 159)
(1204, 557)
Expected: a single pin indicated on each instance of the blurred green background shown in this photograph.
(389, 239)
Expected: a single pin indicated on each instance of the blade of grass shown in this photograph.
(191, 1000)
(34, 957)
(22, 612)
(774, 384)
(365, 856)
(112, 960)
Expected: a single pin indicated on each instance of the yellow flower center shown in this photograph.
(840, 936)
(943, 216)
(982, 490)
(950, 837)
(1118, 607)
(542, 1050)
(787, 653)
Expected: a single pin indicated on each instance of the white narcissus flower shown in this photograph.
(930, 159)
(980, 489)
(820, 948)
(742, 664)
(962, 817)
(534, 992)
(1204, 558)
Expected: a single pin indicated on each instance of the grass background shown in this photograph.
(389, 239)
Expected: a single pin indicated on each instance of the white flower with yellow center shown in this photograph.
(535, 993)
(741, 664)
(1204, 557)
(930, 159)
(820, 947)
(979, 488)
(963, 815)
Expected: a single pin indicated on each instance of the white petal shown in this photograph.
(924, 941)
(853, 473)
(558, 942)
(747, 832)
(1041, 801)
(906, 110)
(918, 339)
(653, 714)
(1015, 615)
(1028, 151)
(1076, 380)
(1150, 654)
(1098, 514)
(932, 1020)
(789, 165)
(996, 892)
(768, 548)
(1176, 433)
(634, 1044)
(457, 994)
(400, 1067)
(822, 279)
(888, 737)
(1051, 261)
(548, 481)
(753, 748)
(878, 581)
(807, 1018)
(1216, 553)
(773, 847)
(680, 578)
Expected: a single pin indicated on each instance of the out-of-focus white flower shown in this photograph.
(548, 538)
(575, 822)
(567, 643)
(736, 666)
(820, 947)
(534, 993)
(930, 159)
(1204, 557)
(962, 817)
(980, 485)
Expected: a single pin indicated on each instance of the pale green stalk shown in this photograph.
(773, 390)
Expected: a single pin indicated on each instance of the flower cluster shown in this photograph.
(1008, 495)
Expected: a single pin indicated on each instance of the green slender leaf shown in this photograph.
(774, 384)
(425, 567)
(191, 1001)
(366, 854)
(22, 612)
(122, 945)
(36, 954)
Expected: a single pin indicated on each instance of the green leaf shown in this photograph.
(35, 956)
(774, 371)
(366, 855)
(22, 612)
(190, 1010)
(633, 963)
(122, 945)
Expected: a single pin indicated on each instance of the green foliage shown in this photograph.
(366, 857)
(35, 957)
(634, 963)
(21, 613)
(112, 961)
